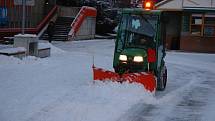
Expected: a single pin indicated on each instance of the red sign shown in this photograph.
(151, 55)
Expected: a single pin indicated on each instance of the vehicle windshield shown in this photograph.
(138, 30)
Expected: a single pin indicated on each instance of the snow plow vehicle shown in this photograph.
(139, 50)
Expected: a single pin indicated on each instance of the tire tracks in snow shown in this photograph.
(192, 104)
(184, 100)
(45, 111)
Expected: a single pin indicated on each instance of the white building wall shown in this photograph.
(87, 29)
(180, 4)
(213, 3)
(197, 3)
(173, 4)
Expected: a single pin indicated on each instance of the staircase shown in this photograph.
(62, 28)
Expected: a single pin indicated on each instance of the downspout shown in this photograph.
(182, 4)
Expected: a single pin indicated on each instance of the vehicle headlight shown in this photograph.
(123, 57)
(138, 59)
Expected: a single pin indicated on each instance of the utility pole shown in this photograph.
(23, 16)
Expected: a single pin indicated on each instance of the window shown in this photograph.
(186, 23)
(203, 24)
(209, 25)
(138, 30)
(196, 24)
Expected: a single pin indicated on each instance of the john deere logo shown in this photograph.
(135, 24)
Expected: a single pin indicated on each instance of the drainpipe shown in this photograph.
(23, 16)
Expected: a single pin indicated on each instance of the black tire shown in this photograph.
(165, 77)
(162, 80)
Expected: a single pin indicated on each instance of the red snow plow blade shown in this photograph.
(146, 79)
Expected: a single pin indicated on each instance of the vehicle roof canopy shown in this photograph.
(140, 11)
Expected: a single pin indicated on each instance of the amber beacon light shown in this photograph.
(148, 4)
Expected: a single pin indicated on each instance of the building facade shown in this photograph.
(11, 12)
(197, 25)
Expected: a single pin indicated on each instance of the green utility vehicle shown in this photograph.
(140, 44)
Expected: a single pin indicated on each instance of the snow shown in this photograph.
(60, 88)
(43, 45)
(5, 46)
(26, 35)
(13, 50)
(201, 61)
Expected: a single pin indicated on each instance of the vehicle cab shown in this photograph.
(140, 43)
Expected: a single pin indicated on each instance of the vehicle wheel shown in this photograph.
(162, 80)
(165, 77)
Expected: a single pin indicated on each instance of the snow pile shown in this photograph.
(8, 60)
(26, 35)
(13, 50)
(55, 50)
(60, 88)
(96, 102)
(43, 45)
(5, 46)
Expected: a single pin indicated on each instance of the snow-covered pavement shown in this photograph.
(60, 88)
(189, 93)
